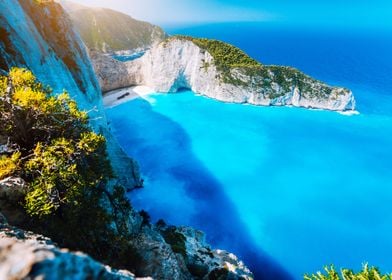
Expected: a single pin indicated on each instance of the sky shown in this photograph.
(344, 13)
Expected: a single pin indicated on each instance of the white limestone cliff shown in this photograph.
(180, 63)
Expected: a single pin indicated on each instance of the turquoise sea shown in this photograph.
(288, 190)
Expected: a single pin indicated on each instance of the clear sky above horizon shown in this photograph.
(344, 13)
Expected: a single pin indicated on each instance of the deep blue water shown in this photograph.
(289, 190)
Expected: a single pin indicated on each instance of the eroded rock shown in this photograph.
(25, 255)
(202, 261)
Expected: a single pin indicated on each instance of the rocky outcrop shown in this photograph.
(25, 255)
(159, 260)
(201, 260)
(113, 74)
(163, 252)
(182, 62)
(155, 257)
(183, 253)
(12, 193)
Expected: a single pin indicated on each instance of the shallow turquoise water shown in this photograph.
(309, 187)
(289, 190)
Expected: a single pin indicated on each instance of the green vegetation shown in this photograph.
(50, 145)
(176, 240)
(228, 58)
(107, 30)
(225, 55)
(9, 165)
(56, 152)
(367, 273)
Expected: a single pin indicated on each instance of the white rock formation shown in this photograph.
(179, 63)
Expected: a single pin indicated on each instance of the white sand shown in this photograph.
(110, 99)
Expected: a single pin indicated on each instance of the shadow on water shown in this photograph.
(161, 145)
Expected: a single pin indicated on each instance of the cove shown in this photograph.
(289, 190)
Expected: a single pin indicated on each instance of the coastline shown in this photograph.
(113, 98)
(344, 113)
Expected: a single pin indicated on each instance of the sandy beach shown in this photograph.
(119, 96)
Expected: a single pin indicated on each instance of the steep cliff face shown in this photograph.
(106, 30)
(199, 65)
(40, 37)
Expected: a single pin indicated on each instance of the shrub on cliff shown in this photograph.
(367, 273)
(46, 140)
(54, 149)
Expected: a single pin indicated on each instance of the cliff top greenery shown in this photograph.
(224, 54)
(227, 58)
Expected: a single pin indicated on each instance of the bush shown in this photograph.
(9, 165)
(66, 168)
(57, 153)
(31, 115)
(367, 273)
